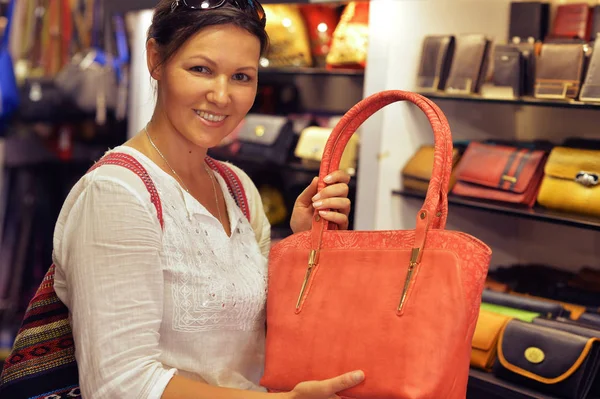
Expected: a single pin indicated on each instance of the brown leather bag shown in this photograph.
(559, 70)
(417, 171)
(400, 305)
(500, 173)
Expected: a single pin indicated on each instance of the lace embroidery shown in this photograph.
(216, 283)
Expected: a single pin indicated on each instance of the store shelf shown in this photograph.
(484, 385)
(27, 151)
(312, 71)
(537, 213)
(523, 101)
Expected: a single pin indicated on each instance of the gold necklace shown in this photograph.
(210, 174)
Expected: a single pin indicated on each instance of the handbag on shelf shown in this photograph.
(434, 66)
(350, 43)
(548, 309)
(520, 314)
(267, 138)
(312, 143)
(417, 171)
(571, 181)
(485, 340)
(556, 360)
(500, 173)
(370, 300)
(559, 70)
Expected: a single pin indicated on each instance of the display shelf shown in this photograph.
(27, 151)
(312, 71)
(523, 101)
(484, 385)
(537, 213)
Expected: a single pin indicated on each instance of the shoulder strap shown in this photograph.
(129, 162)
(236, 189)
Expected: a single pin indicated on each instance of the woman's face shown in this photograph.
(209, 85)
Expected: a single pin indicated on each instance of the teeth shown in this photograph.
(210, 117)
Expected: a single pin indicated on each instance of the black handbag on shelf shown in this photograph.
(559, 360)
(267, 138)
(549, 309)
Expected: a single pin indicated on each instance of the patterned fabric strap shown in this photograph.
(234, 185)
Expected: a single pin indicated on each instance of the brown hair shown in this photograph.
(171, 29)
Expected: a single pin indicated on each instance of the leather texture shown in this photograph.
(528, 19)
(575, 311)
(500, 173)
(572, 181)
(549, 360)
(509, 68)
(485, 340)
(590, 319)
(348, 317)
(436, 58)
(590, 90)
(469, 64)
(548, 309)
(417, 171)
(572, 21)
(267, 137)
(559, 71)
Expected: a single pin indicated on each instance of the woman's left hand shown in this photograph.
(333, 197)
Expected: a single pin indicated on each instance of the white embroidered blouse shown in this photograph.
(145, 302)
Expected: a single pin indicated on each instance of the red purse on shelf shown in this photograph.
(500, 173)
(401, 305)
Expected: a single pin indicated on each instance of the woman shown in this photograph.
(178, 312)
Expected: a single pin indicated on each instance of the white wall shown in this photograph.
(392, 135)
(141, 92)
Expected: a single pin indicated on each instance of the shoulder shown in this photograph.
(113, 183)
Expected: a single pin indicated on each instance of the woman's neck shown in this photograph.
(186, 158)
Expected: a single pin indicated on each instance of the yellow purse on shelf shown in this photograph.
(349, 45)
(572, 181)
(417, 171)
(484, 347)
(289, 44)
(312, 143)
(273, 204)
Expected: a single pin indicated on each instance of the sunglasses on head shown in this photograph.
(243, 5)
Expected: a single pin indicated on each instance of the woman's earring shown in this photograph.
(174, 5)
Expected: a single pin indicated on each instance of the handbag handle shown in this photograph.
(436, 201)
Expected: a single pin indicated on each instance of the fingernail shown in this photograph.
(317, 204)
(316, 197)
(358, 376)
(323, 213)
(328, 179)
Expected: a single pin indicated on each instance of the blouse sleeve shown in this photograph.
(258, 218)
(109, 254)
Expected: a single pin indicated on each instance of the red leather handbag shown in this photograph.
(400, 305)
(500, 173)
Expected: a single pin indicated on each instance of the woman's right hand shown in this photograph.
(327, 389)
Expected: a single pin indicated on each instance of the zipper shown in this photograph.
(411, 268)
(311, 265)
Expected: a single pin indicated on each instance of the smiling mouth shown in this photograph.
(210, 117)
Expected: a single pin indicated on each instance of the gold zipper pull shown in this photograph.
(311, 264)
(411, 268)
